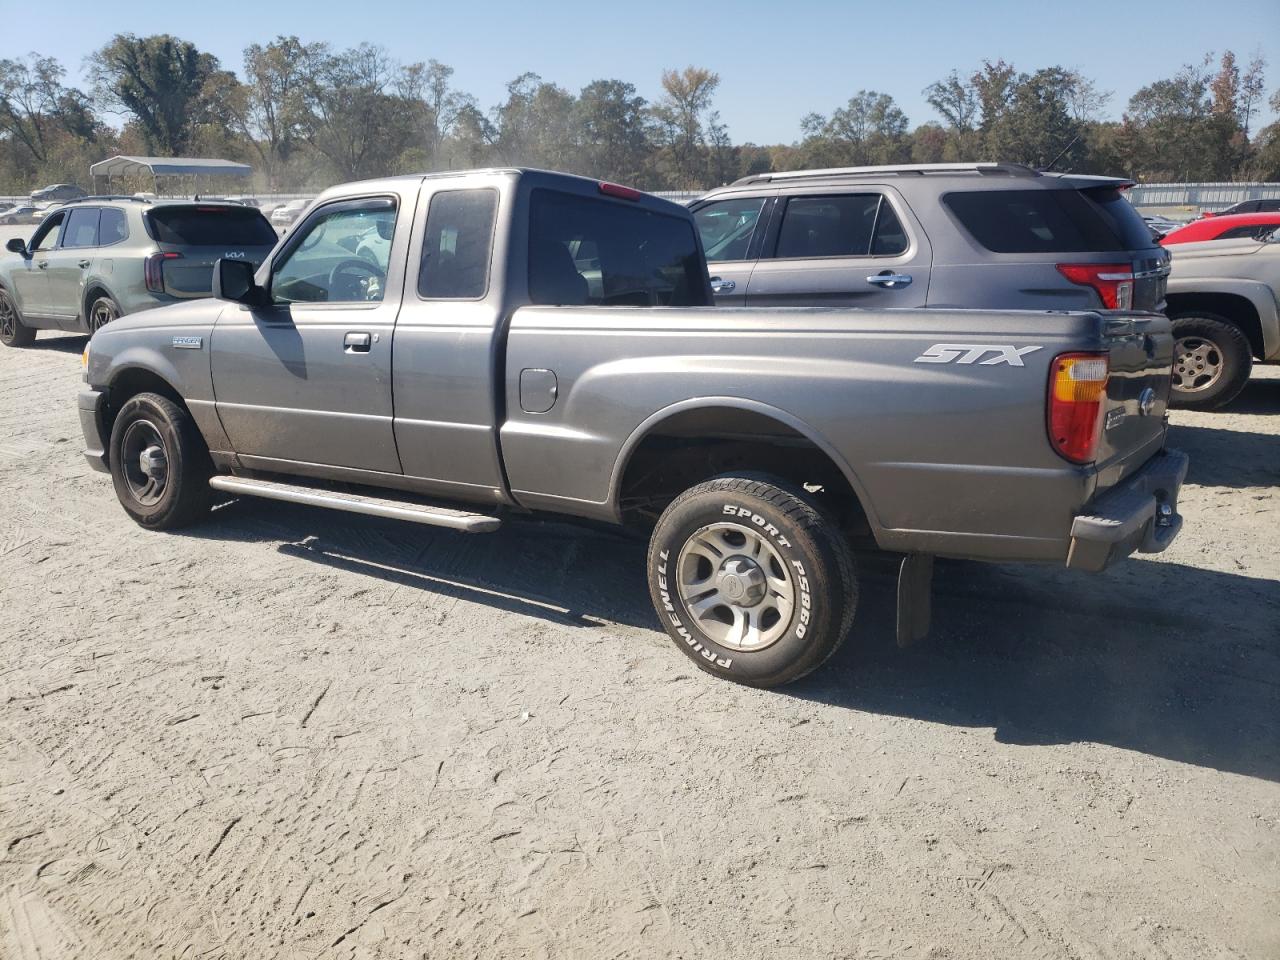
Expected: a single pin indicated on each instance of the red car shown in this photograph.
(1232, 226)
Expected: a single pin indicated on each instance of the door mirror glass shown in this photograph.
(233, 280)
(16, 245)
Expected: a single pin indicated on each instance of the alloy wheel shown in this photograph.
(1197, 364)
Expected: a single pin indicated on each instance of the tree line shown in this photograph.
(306, 115)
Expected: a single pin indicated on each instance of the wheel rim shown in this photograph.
(100, 315)
(736, 586)
(1197, 364)
(145, 462)
(8, 319)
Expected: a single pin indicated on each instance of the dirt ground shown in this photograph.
(293, 733)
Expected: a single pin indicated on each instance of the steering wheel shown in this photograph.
(349, 287)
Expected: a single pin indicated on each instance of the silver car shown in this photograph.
(997, 235)
(99, 258)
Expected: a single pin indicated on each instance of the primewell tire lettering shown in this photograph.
(665, 593)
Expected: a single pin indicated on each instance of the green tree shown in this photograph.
(869, 129)
(611, 119)
(166, 85)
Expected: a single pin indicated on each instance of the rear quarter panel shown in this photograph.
(946, 457)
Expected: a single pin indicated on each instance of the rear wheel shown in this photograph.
(13, 333)
(1211, 361)
(101, 312)
(751, 581)
(160, 466)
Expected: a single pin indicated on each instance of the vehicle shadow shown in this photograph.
(1169, 660)
(1260, 395)
(1228, 458)
(62, 343)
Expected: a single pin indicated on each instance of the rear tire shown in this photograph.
(13, 333)
(101, 312)
(1212, 361)
(160, 466)
(751, 581)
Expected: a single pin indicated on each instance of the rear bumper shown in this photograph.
(1138, 514)
(93, 405)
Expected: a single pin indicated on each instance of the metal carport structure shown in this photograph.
(194, 172)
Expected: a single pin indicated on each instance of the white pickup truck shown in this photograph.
(1224, 300)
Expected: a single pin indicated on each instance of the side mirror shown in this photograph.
(233, 280)
(385, 228)
(16, 245)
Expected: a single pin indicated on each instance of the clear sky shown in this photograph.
(777, 61)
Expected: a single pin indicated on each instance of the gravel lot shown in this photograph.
(292, 733)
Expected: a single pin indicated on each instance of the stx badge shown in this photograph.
(970, 352)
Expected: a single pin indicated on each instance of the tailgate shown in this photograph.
(1134, 415)
(188, 271)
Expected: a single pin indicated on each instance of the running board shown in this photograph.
(358, 503)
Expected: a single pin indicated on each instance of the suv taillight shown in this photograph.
(1077, 390)
(153, 270)
(1113, 281)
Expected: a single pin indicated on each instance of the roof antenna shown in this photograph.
(1055, 160)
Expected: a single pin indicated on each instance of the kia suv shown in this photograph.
(990, 235)
(98, 258)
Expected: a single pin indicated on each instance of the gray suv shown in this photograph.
(99, 258)
(992, 235)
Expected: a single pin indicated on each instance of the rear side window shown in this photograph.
(1257, 230)
(1050, 221)
(196, 226)
(459, 241)
(584, 250)
(727, 226)
(82, 228)
(854, 225)
(112, 227)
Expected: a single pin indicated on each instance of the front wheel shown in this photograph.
(751, 581)
(160, 466)
(13, 332)
(1211, 362)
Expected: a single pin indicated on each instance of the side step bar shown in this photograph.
(357, 503)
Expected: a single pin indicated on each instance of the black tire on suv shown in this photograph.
(160, 466)
(1211, 361)
(751, 581)
(13, 333)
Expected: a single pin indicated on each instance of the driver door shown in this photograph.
(306, 380)
(31, 278)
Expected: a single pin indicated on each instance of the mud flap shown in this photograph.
(915, 597)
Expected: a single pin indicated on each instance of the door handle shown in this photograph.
(357, 343)
(722, 286)
(891, 281)
(85, 263)
(42, 264)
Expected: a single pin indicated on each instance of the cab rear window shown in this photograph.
(197, 226)
(584, 250)
(1050, 221)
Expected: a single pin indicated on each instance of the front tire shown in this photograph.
(160, 465)
(1212, 361)
(13, 332)
(751, 581)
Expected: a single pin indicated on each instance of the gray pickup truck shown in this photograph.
(456, 349)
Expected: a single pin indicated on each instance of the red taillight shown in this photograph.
(153, 270)
(1113, 281)
(1077, 390)
(619, 191)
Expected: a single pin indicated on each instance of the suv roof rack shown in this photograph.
(912, 169)
(105, 196)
